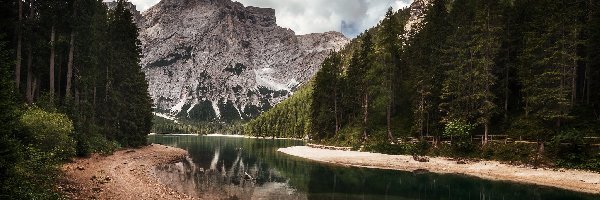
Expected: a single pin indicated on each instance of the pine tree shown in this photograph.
(9, 120)
(392, 41)
(325, 99)
(360, 78)
(424, 56)
(549, 62)
(19, 45)
(592, 78)
(467, 89)
(128, 98)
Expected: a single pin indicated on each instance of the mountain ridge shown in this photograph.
(214, 59)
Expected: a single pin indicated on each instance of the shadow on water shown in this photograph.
(243, 168)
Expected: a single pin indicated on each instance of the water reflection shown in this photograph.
(252, 169)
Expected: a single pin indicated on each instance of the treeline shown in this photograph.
(71, 85)
(527, 69)
(162, 125)
(288, 119)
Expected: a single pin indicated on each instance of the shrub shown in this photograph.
(528, 128)
(568, 149)
(49, 132)
(458, 129)
(514, 152)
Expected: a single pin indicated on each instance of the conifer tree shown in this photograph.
(392, 41)
(425, 52)
(128, 98)
(549, 62)
(592, 78)
(360, 78)
(473, 50)
(324, 106)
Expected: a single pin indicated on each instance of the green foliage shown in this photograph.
(128, 108)
(50, 132)
(90, 140)
(569, 149)
(290, 118)
(325, 107)
(101, 98)
(458, 129)
(386, 148)
(201, 112)
(528, 128)
(526, 69)
(519, 153)
(473, 49)
(549, 62)
(229, 113)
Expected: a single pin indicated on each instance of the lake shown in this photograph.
(249, 168)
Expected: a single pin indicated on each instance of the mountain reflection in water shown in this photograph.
(246, 168)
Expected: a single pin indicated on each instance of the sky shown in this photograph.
(351, 17)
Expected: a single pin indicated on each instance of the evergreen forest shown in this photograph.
(70, 85)
(517, 81)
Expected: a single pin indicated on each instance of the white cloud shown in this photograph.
(350, 17)
(143, 5)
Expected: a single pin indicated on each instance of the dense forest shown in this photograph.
(527, 72)
(70, 84)
(288, 119)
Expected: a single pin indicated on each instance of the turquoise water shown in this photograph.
(245, 168)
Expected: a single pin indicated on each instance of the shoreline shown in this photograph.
(126, 174)
(254, 137)
(575, 180)
(224, 135)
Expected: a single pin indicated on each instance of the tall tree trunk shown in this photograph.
(70, 65)
(52, 41)
(35, 88)
(335, 110)
(506, 83)
(29, 89)
(60, 65)
(71, 52)
(574, 84)
(19, 41)
(389, 121)
(486, 127)
(365, 115)
(587, 84)
(588, 66)
(389, 105)
(94, 101)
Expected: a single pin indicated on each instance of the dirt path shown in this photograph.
(582, 181)
(127, 174)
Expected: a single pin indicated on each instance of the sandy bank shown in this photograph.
(576, 180)
(127, 174)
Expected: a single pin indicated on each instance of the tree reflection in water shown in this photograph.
(245, 168)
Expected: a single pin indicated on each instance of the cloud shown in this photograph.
(143, 5)
(350, 17)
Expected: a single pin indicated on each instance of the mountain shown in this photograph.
(294, 116)
(216, 59)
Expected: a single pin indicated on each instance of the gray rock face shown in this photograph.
(417, 13)
(216, 59)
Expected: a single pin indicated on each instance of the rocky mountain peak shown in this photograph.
(219, 60)
(417, 13)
